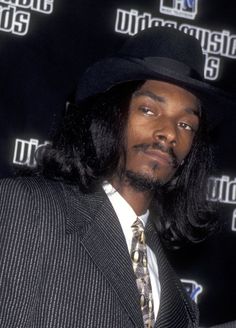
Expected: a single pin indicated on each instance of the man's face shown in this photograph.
(162, 122)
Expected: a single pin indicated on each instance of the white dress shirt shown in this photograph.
(127, 217)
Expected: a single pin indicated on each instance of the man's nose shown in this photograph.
(166, 133)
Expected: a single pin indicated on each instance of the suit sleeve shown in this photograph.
(19, 254)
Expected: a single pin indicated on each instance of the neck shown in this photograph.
(138, 200)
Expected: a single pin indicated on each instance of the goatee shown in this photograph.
(142, 182)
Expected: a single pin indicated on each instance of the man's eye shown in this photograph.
(186, 126)
(146, 111)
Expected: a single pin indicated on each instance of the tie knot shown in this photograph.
(138, 230)
(137, 225)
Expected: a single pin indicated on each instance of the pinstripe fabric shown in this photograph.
(61, 265)
(176, 308)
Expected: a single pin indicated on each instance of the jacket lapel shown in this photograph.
(175, 310)
(93, 217)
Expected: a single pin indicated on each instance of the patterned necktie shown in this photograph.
(139, 260)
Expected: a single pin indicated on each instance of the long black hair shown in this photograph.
(90, 142)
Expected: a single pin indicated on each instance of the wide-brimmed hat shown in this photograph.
(158, 53)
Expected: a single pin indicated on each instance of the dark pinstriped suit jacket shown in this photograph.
(64, 262)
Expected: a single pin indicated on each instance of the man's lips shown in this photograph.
(160, 156)
(159, 153)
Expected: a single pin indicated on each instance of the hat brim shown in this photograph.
(109, 72)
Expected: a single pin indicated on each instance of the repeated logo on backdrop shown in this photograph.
(192, 288)
(15, 15)
(223, 189)
(24, 151)
(216, 44)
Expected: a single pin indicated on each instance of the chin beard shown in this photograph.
(142, 182)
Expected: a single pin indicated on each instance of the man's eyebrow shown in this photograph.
(149, 94)
(195, 110)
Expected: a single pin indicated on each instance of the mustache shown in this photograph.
(159, 146)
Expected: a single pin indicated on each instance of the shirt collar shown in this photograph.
(124, 211)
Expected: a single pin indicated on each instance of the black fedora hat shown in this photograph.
(158, 53)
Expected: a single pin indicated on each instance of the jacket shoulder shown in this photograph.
(30, 198)
(27, 184)
(27, 188)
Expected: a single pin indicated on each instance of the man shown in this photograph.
(131, 154)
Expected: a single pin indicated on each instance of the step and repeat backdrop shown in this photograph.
(45, 45)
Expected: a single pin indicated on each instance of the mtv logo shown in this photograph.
(179, 8)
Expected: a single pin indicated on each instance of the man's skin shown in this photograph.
(162, 122)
